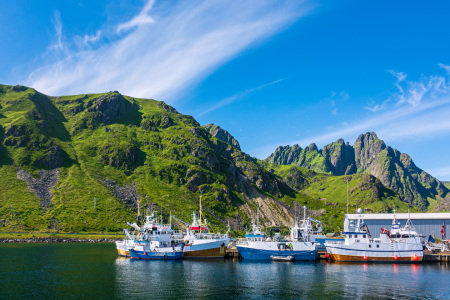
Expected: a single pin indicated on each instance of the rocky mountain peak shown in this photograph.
(312, 147)
(222, 135)
(370, 155)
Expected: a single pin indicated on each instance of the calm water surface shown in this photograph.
(47, 271)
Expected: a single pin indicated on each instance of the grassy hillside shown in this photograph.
(85, 163)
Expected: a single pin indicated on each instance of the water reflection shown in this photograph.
(395, 266)
(95, 271)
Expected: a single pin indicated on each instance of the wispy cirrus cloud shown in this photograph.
(92, 38)
(141, 19)
(420, 109)
(234, 98)
(160, 55)
(440, 172)
(56, 20)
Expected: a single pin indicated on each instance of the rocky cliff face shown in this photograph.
(222, 135)
(110, 150)
(370, 155)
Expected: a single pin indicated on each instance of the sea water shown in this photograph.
(48, 271)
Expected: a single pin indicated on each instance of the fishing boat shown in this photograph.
(126, 244)
(199, 242)
(257, 246)
(282, 258)
(401, 244)
(156, 243)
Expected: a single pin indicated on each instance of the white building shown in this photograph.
(425, 223)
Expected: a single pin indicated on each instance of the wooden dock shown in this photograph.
(232, 252)
(441, 257)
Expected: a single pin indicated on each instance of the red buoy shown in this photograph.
(327, 256)
(145, 253)
(396, 257)
(365, 257)
(415, 258)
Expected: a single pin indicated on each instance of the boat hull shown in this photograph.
(390, 259)
(262, 254)
(122, 252)
(206, 253)
(387, 252)
(123, 247)
(135, 254)
(206, 248)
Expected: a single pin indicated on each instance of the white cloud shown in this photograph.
(92, 38)
(445, 67)
(141, 19)
(412, 92)
(440, 172)
(187, 43)
(234, 98)
(374, 107)
(399, 75)
(57, 45)
(425, 116)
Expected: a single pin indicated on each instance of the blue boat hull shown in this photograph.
(257, 254)
(156, 255)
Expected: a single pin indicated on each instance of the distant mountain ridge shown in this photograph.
(370, 155)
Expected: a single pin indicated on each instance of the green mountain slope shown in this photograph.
(369, 155)
(86, 163)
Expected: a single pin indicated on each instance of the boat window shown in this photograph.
(364, 236)
(356, 236)
(370, 246)
(378, 246)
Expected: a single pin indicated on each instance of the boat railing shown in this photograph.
(211, 236)
(334, 242)
(241, 241)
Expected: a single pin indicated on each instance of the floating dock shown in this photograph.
(441, 257)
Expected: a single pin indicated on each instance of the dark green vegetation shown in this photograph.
(370, 155)
(85, 163)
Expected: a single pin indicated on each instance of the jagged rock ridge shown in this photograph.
(370, 155)
(222, 135)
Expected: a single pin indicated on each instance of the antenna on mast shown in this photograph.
(200, 217)
(347, 196)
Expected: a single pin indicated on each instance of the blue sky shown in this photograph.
(270, 72)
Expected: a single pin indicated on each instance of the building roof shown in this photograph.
(402, 216)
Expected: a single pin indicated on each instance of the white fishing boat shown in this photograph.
(199, 242)
(402, 244)
(124, 245)
(156, 242)
(257, 246)
(142, 234)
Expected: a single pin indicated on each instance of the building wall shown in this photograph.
(423, 227)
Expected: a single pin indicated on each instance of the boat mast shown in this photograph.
(200, 217)
(347, 196)
(139, 206)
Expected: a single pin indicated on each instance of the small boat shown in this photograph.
(282, 258)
